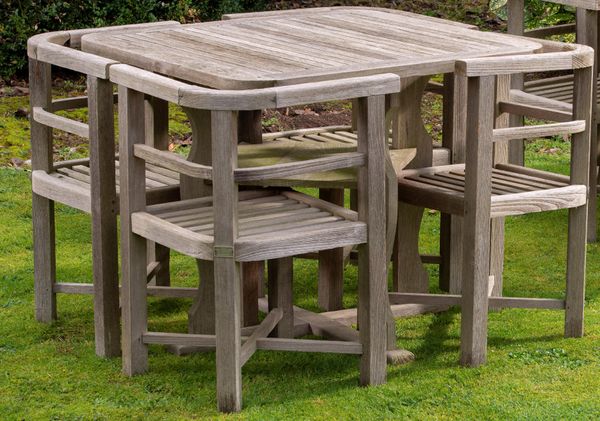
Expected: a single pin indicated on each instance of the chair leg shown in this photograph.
(408, 276)
(451, 253)
(104, 220)
(281, 294)
(252, 278)
(162, 255)
(592, 229)
(44, 258)
(331, 264)
(575, 273)
(134, 306)
(228, 334)
(497, 255)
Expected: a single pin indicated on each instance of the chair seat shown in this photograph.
(516, 190)
(298, 145)
(271, 224)
(69, 184)
(558, 88)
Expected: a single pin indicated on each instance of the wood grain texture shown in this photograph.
(476, 229)
(226, 269)
(133, 247)
(61, 123)
(281, 275)
(576, 252)
(172, 161)
(270, 50)
(331, 264)
(42, 212)
(372, 281)
(104, 209)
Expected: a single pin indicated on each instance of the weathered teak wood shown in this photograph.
(103, 202)
(133, 247)
(486, 187)
(372, 275)
(576, 252)
(476, 228)
(270, 50)
(331, 264)
(44, 248)
(86, 184)
(229, 227)
(561, 88)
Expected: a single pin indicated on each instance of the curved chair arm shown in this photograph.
(553, 56)
(255, 99)
(60, 48)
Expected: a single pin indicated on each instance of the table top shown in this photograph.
(272, 49)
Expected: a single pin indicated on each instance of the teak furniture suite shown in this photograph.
(222, 74)
(285, 48)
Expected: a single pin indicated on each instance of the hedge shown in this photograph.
(21, 19)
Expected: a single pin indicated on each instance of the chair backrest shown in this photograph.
(484, 102)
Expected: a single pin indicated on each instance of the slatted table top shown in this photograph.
(270, 49)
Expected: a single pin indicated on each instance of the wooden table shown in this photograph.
(258, 50)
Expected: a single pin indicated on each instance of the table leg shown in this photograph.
(250, 131)
(408, 131)
(201, 315)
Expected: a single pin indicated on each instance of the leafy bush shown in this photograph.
(538, 13)
(21, 19)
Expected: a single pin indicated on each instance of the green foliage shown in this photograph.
(538, 13)
(19, 20)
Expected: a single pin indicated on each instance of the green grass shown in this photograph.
(51, 372)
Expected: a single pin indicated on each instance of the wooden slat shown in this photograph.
(249, 54)
(61, 123)
(567, 28)
(172, 162)
(334, 162)
(54, 188)
(534, 111)
(263, 330)
(541, 130)
(154, 291)
(494, 302)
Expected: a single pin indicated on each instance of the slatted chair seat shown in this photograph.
(268, 222)
(299, 145)
(69, 184)
(516, 190)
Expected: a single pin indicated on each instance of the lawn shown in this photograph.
(51, 371)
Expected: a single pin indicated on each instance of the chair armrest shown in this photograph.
(553, 56)
(172, 161)
(254, 99)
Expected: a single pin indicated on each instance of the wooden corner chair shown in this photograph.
(486, 187)
(230, 227)
(556, 93)
(86, 184)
